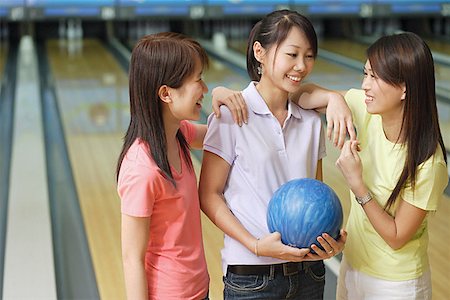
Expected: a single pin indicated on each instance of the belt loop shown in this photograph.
(301, 266)
(272, 272)
(290, 268)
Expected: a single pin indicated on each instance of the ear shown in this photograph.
(164, 93)
(258, 51)
(404, 92)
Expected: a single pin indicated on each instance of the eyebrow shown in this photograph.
(299, 47)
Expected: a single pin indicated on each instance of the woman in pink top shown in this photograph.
(162, 249)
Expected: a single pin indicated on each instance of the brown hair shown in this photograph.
(158, 59)
(406, 59)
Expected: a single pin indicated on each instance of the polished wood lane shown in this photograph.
(3, 54)
(357, 51)
(92, 96)
(440, 46)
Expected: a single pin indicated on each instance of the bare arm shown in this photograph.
(212, 182)
(332, 103)
(396, 231)
(135, 234)
(311, 96)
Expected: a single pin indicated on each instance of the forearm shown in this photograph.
(311, 96)
(135, 235)
(135, 279)
(383, 223)
(219, 213)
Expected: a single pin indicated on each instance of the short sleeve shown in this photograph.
(220, 138)
(431, 181)
(137, 187)
(188, 130)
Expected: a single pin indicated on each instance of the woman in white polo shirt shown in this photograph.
(244, 166)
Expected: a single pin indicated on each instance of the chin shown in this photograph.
(195, 117)
(371, 111)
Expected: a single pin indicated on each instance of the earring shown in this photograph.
(260, 71)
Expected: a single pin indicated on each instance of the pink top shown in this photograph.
(175, 261)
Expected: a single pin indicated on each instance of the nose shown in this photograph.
(299, 66)
(365, 83)
(205, 87)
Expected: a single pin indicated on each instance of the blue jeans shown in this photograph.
(308, 283)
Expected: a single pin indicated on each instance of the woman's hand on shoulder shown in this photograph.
(339, 120)
(231, 99)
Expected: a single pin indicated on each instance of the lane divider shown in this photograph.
(74, 271)
(7, 95)
(28, 269)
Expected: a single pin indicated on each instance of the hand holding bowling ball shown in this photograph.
(303, 209)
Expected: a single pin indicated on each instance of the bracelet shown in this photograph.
(256, 248)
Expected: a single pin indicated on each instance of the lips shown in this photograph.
(294, 78)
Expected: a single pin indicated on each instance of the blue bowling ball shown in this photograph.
(302, 209)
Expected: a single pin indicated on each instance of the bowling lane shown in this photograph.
(3, 54)
(92, 96)
(440, 46)
(444, 122)
(357, 51)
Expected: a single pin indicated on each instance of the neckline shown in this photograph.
(175, 172)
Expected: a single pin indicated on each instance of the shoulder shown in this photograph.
(226, 118)
(353, 93)
(430, 183)
(305, 115)
(189, 130)
(355, 99)
(435, 164)
(137, 163)
(309, 114)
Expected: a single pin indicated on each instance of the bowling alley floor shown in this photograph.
(92, 96)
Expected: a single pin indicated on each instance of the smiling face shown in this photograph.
(382, 98)
(286, 65)
(186, 101)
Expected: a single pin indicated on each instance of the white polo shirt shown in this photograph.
(263, 156)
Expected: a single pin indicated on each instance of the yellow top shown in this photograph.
(383, 162)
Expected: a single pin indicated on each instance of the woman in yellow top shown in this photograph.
(396, 170)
